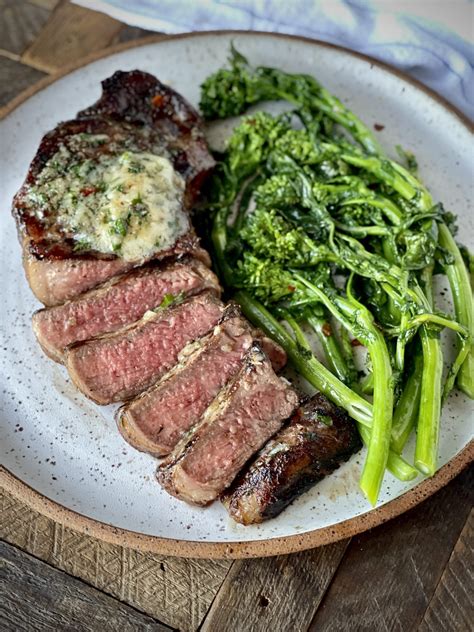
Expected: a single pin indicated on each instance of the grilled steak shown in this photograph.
(117, 303)
(318, 438)
(118, 366)
(244, 415)
(124, 171)
(158, 418)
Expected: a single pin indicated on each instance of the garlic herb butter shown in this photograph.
(129, 204)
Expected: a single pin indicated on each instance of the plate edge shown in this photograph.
(240, 549)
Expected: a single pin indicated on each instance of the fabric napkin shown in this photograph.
(429, 39)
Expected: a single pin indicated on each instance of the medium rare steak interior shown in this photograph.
(118, 366)
(133, 310)
(119, 302)
(245, 414)
(319, 437)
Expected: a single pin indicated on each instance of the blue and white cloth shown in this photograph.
(429, 39)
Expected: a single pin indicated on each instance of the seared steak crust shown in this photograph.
(135, 113)
(244, 415)
(139, 98)
(119, 366)
(319, 437)
(118, 303)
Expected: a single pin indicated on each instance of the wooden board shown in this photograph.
(405, 558)
(35, 596)
(367, 584)
(70, 33)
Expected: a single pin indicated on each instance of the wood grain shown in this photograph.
(129, 33)
(278, 593)
(389, 575)
(452, 606)
(15, 77)
(71, 33)
(20, 23)
(174, 590)
(34, 596)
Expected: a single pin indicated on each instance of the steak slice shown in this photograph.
(56, 280)
(317, 439)
(118, 366)
(136, 115)
(117, 303)
(244, 415)
(157, 419)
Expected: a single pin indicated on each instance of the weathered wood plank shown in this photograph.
(279, 593)
(46, 4)
(15, 77)
(388, 576)
(128, 33)
(35, 596)
(20, 23)
(176, 591)
(452, 606)
(70, 33)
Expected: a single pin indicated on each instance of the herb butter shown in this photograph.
(130, 204)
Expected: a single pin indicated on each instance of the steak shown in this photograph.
(317, 439)
(117, 303)
(121, 365)
(244, 415)
(136, 113)
(156, 420)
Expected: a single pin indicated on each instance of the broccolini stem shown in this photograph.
(427, 437)
(219, 242)
(408, 406)
(396, 464)
(463, 305)
(334, 356)
(306, 364)
(379, 443)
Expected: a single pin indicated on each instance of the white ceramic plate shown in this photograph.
(67, 449)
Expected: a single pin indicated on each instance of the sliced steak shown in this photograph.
(78, 172)
(117, 303)
(157, 420)
(244, 415)
(121, 365)
(318, 438)
(56, 280)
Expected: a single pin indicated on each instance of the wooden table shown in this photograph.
(414, 573)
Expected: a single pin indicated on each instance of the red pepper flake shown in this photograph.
(326, 329)
(378, 127)
(157, 100)
(88, 191)
(356, 343)
(291, 288)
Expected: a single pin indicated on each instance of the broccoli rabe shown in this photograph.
(310, 227)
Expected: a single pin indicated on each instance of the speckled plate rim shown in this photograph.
(239, 549)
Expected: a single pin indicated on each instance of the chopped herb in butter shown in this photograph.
(130, 204)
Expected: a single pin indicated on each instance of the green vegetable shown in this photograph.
(310, 227)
